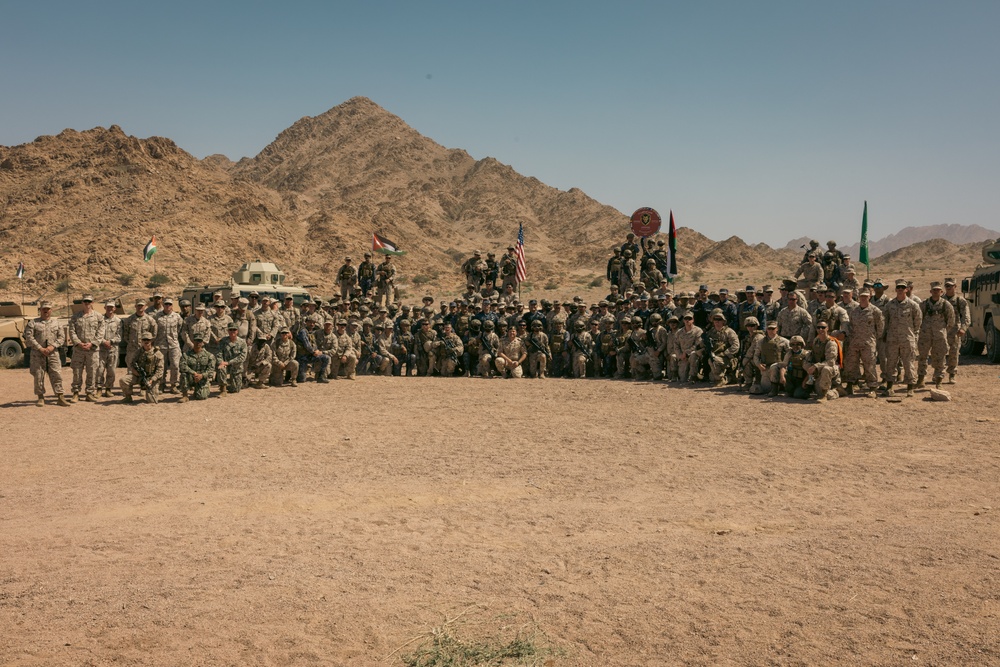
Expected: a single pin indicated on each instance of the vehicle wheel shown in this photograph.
(11, 349)
(992, 342)
(969, 346)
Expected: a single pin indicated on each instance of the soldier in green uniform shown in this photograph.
(197, 371)
(145, 371)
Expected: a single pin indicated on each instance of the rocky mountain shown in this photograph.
(79, 207)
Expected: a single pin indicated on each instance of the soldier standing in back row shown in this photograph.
(169, 329)
(963, 319)
(134, 326)
(938, 318)
(347, 278)
(366, 275)
(108, 351)
(385, 282)
(867, 325)
(44, 337)
(86, 331)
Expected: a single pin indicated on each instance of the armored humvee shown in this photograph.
(982, 291)
(265, 278)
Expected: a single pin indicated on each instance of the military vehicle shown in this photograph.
(982, 291)
(264, 278)
(13, 318)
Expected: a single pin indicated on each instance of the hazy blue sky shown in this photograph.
(768, 120)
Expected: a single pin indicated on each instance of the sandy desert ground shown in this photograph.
(615, 523)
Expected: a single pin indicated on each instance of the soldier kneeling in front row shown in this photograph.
(145, 371)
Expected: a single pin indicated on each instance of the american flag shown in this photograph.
(522, 273)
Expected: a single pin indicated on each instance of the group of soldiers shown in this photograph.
(821, 335)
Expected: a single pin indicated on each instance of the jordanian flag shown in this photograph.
(385, 246)
(149, 250)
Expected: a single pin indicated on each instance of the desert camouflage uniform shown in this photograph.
(688, 350)
(347, 278)
(38, 334)
(725, 346)
(425, 348)
(514, 349)
(902, 322)
(292, 318)
(133, 328)
(836, 317)
(269, 322)
(795, 322)
(85, 328)
(937, 319)
(261, 360)
(537, 358)
(581, 345)
(808, 275)
(220, 331)
(168, 342)
(284, 362)
(447, 360)
(867, 325)
(963, 320)
(148, 365)
(344, 348)
(108, 355)
(488, 340)
(825, 356)
(382, 364)
(770, 353)
(385, 279)
(749, 346)
(195, 325)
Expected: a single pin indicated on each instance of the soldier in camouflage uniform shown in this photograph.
(347, 278)
(489, 347)
(145, 371)
(867, 326)
(748, 347)
(824, 363)
(425, 337)
(794, 320)
(269, 321)
(809, 273)
(261, 360)
(219, 322)
(836, 317)
(384, 359)
(197, 371)
(43, 336)
(724, 348)
(963, 320)
(792, 370)
(232, 357)
(938, 318)
(134, 326)
(767, 355)
(385, 282)
(343, 355)
(284, 359)
(366, 275)
(902, 322)
(86, 331)
(511, 355)
(448, 351)
(196, 324)
(581, 348)
(108, 350)
(402, 349)
(308, 354)
(688, 349)
(169, 328)
(538, 350)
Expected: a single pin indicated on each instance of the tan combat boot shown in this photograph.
(40, 402)
(183, 398)
(76, 397)
(223, 390)
(909, 390)
(91, 396)
(920, 382)
(61, 400)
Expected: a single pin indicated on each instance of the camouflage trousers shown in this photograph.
(858, 354)
(446, 366)
(278, 372)
(935, 344)
(40, 366)
(485, 365)
(131, 382)
(537, 364)
(382, 365)
(346, 287)
(346, 367)
(951, 360)
(85, 362)
(425, 364)
(903, 351)
(623, 362)
(826, 377)
(408, 360)
(107, 363)
(687, 369)
(579, 364)
(383, 292)
(261, 371)
(230, 377)
(503, 368)
(199, 390)
(720, 368)
(171, 366)
(646, 363)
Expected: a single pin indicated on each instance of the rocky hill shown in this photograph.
(80, 206)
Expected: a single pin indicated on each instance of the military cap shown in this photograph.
(533, 301)
(377, 325)
(750, 288)
(313, 319)
(688, 316)
(864, 292)
(288, 297)
(511, 306)
(627, 253)
(110, 304)
(846, 290)
(147, 335)
(87, 297)
(200, 306)
(368, 254)
(723, 290)
(168, 301)
(219, 305)
(45, 304)
(850, 269)
(772, 325)
(796, 340)
(703, 288)
(198, 338)
(318, 301)
(510, 247)
(901, 283)
(949, 282)
(751, 322)
(261, 335)
(545, 302)
(255, 293)
(491, 254)
(234, 296)
(768, 288)
(284, 330)
(819, 287)
(342, 322)
(637, 320)
(364, 309)
(602, 303)
(476, 253)
(233, 327)
(644, 297)
(717, 313)
(216, 293)
(660, 242)
(568, 304)
(244, 301)
(936, 285)
(264, 298)
(672, 318)
(185, 302)
(451, 304)
(347, 259)
(158, 295)
(140, 302)
(383, 309)
(367, 322)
